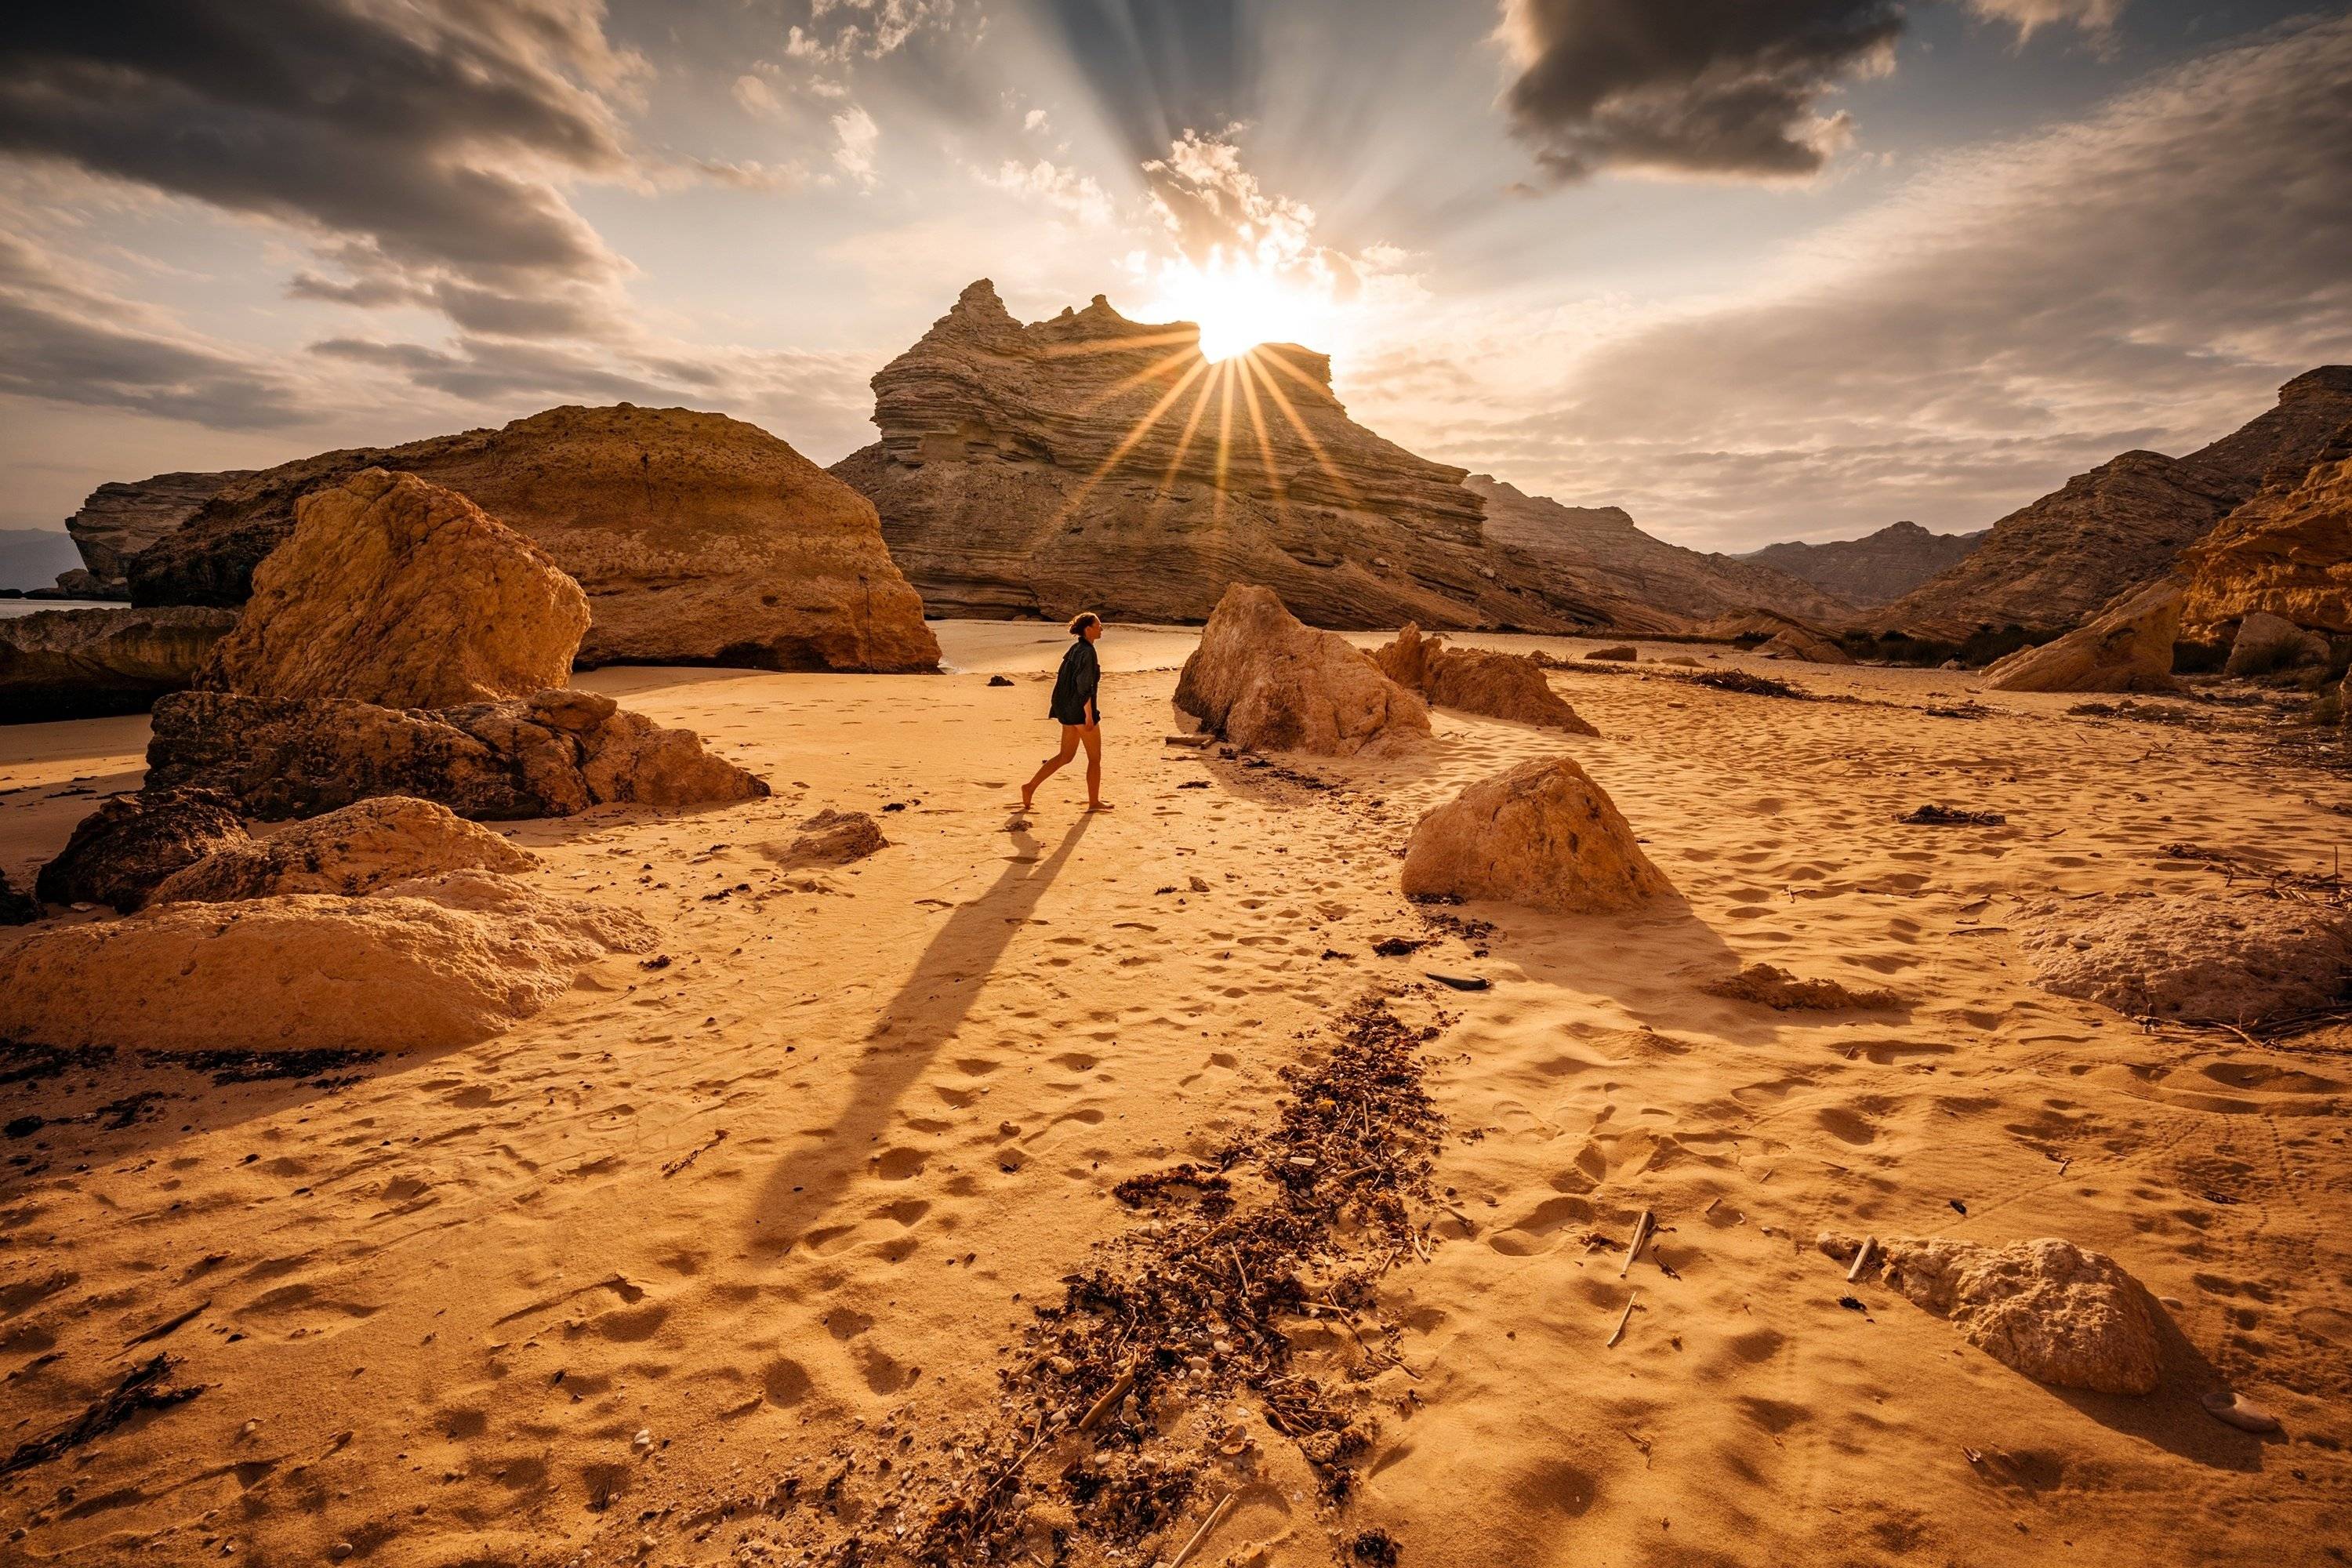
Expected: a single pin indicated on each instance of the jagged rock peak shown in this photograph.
(2323, 381)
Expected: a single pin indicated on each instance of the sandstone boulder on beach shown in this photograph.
(698, 538)
(1797, 643)
(829, 839)
(82, 664)
(2266, 642)
(2237, 959)
(2059, 1313)
(1264, 681)
(551, 754)
(1476, 680)
(353, 851)
(1543, 834)
(2128, 647)
(401, 593)
(422, 964)
(121, 852)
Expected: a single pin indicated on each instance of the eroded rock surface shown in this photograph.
(1810, 648)
(2233, 959)
(2287, 551)
(1477, 681)
(421, 964)
(353, 851)
(2125, 647)
(2266, 642)
(119, 853)
(698, 538)
(17, 907)
(1543, 834)
(1263, 680)
(81, 663)
(2059, 1313)
(551, 755)
(830, 839)
(119, 521)
(401, 593)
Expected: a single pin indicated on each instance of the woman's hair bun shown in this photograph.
(1082, 620)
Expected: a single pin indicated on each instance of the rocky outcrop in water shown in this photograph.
(1263, 680)
(2047, 565)
(119, 521)
(698, 538)
(80, 664)
(1876, 567)
(1091, 462)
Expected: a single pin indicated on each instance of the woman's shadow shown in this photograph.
(920, 1018)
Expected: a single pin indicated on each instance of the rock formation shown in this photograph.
(551, 755)
(2266, 642)
(1264, 681)
(2126, 648)
(830, 839)
(1644, 584)
(1797, 643)
(17, 908)
(351, 851)
(1092, 462)
(403, 593)
(119, 521)
(1477, 681)
(2057, 1313)
(1876, 567)
(80, 664)
(698, 539)
(2238, 961)
(2287, 551)
(2049, 564)
(121, 852)
(424, 964)
(1543, 834)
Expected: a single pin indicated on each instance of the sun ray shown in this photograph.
(1265, 443)
(1151, 372)
(1113, 345)
(1127, 444)
(1282, 401)
(1184, 444)
(1224, 436)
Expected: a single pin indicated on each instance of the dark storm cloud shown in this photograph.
(1157, 68)
(419, 134)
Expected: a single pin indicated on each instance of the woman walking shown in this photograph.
(1077, 706)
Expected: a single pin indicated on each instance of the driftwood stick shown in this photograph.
(1201, 1534)
(1642, 1228)
(1626, 1317)
(1862, 1257)
(1109, 1401)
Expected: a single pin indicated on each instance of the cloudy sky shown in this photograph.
(1751, 268)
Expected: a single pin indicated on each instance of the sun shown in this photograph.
(1237, 305)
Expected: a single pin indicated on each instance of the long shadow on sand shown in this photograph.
(919, 1018)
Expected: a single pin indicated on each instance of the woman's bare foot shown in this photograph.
(1098, 806)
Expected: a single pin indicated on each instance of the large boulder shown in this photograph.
(1543, 834)
(1799, 643)
(119, 521)
(551, 754)
(698, 538)
(418, 965)
(353, 850)
(2128, 647)
(400, 593)
(119, 853)
(2287, 551)
(1477, 681)
(2231, 959)
(2266, 642)
(17, 908)
(80, 664)
(1263, 680)
(2057, 1313)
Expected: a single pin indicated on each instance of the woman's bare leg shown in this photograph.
(1052, 764)
(1093, 738)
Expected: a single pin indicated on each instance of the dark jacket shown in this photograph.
(1076, 686)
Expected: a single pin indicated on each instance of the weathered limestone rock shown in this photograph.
(830, 839)
(424, 965)
(1809, 647)
(2287, 551)
(1476, 680)
(698, 538)
(121, 852)
(1875, 568)
(551, 755)
(2128, 647)
(119, 521)
(1262, 680)
(354, 850)
(1615, 652)
(2058, 1313)
(1543, 834)
(2223, 960)
(2266, 642)
(17, 908)
(2048, 566)
(1089, 462)
(403, 593)
(81, 663)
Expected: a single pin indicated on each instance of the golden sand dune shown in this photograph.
(672, 1270)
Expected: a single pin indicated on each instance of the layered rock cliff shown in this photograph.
(2287, 551)
(1091, 462)
(697, 537)
(79, 664)
(1661, 587)
(119, 521)
(2049, 564)
(1875, 568)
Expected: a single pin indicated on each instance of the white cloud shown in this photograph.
(1057, 185)
(757, 99)
(858, 138)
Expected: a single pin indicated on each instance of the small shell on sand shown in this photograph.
(2238, 1411)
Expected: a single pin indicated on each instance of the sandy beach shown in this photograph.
(678, 1270)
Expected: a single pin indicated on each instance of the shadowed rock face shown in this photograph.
(119, 521)
(2048, 566)
(2287, 551)
(1092, 462)
(78, 664)
(2128, 647)
(698, 539)
(1875, 568)
(1477, 681)
(118, 853)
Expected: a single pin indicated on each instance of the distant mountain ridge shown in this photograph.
(1876, 567)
